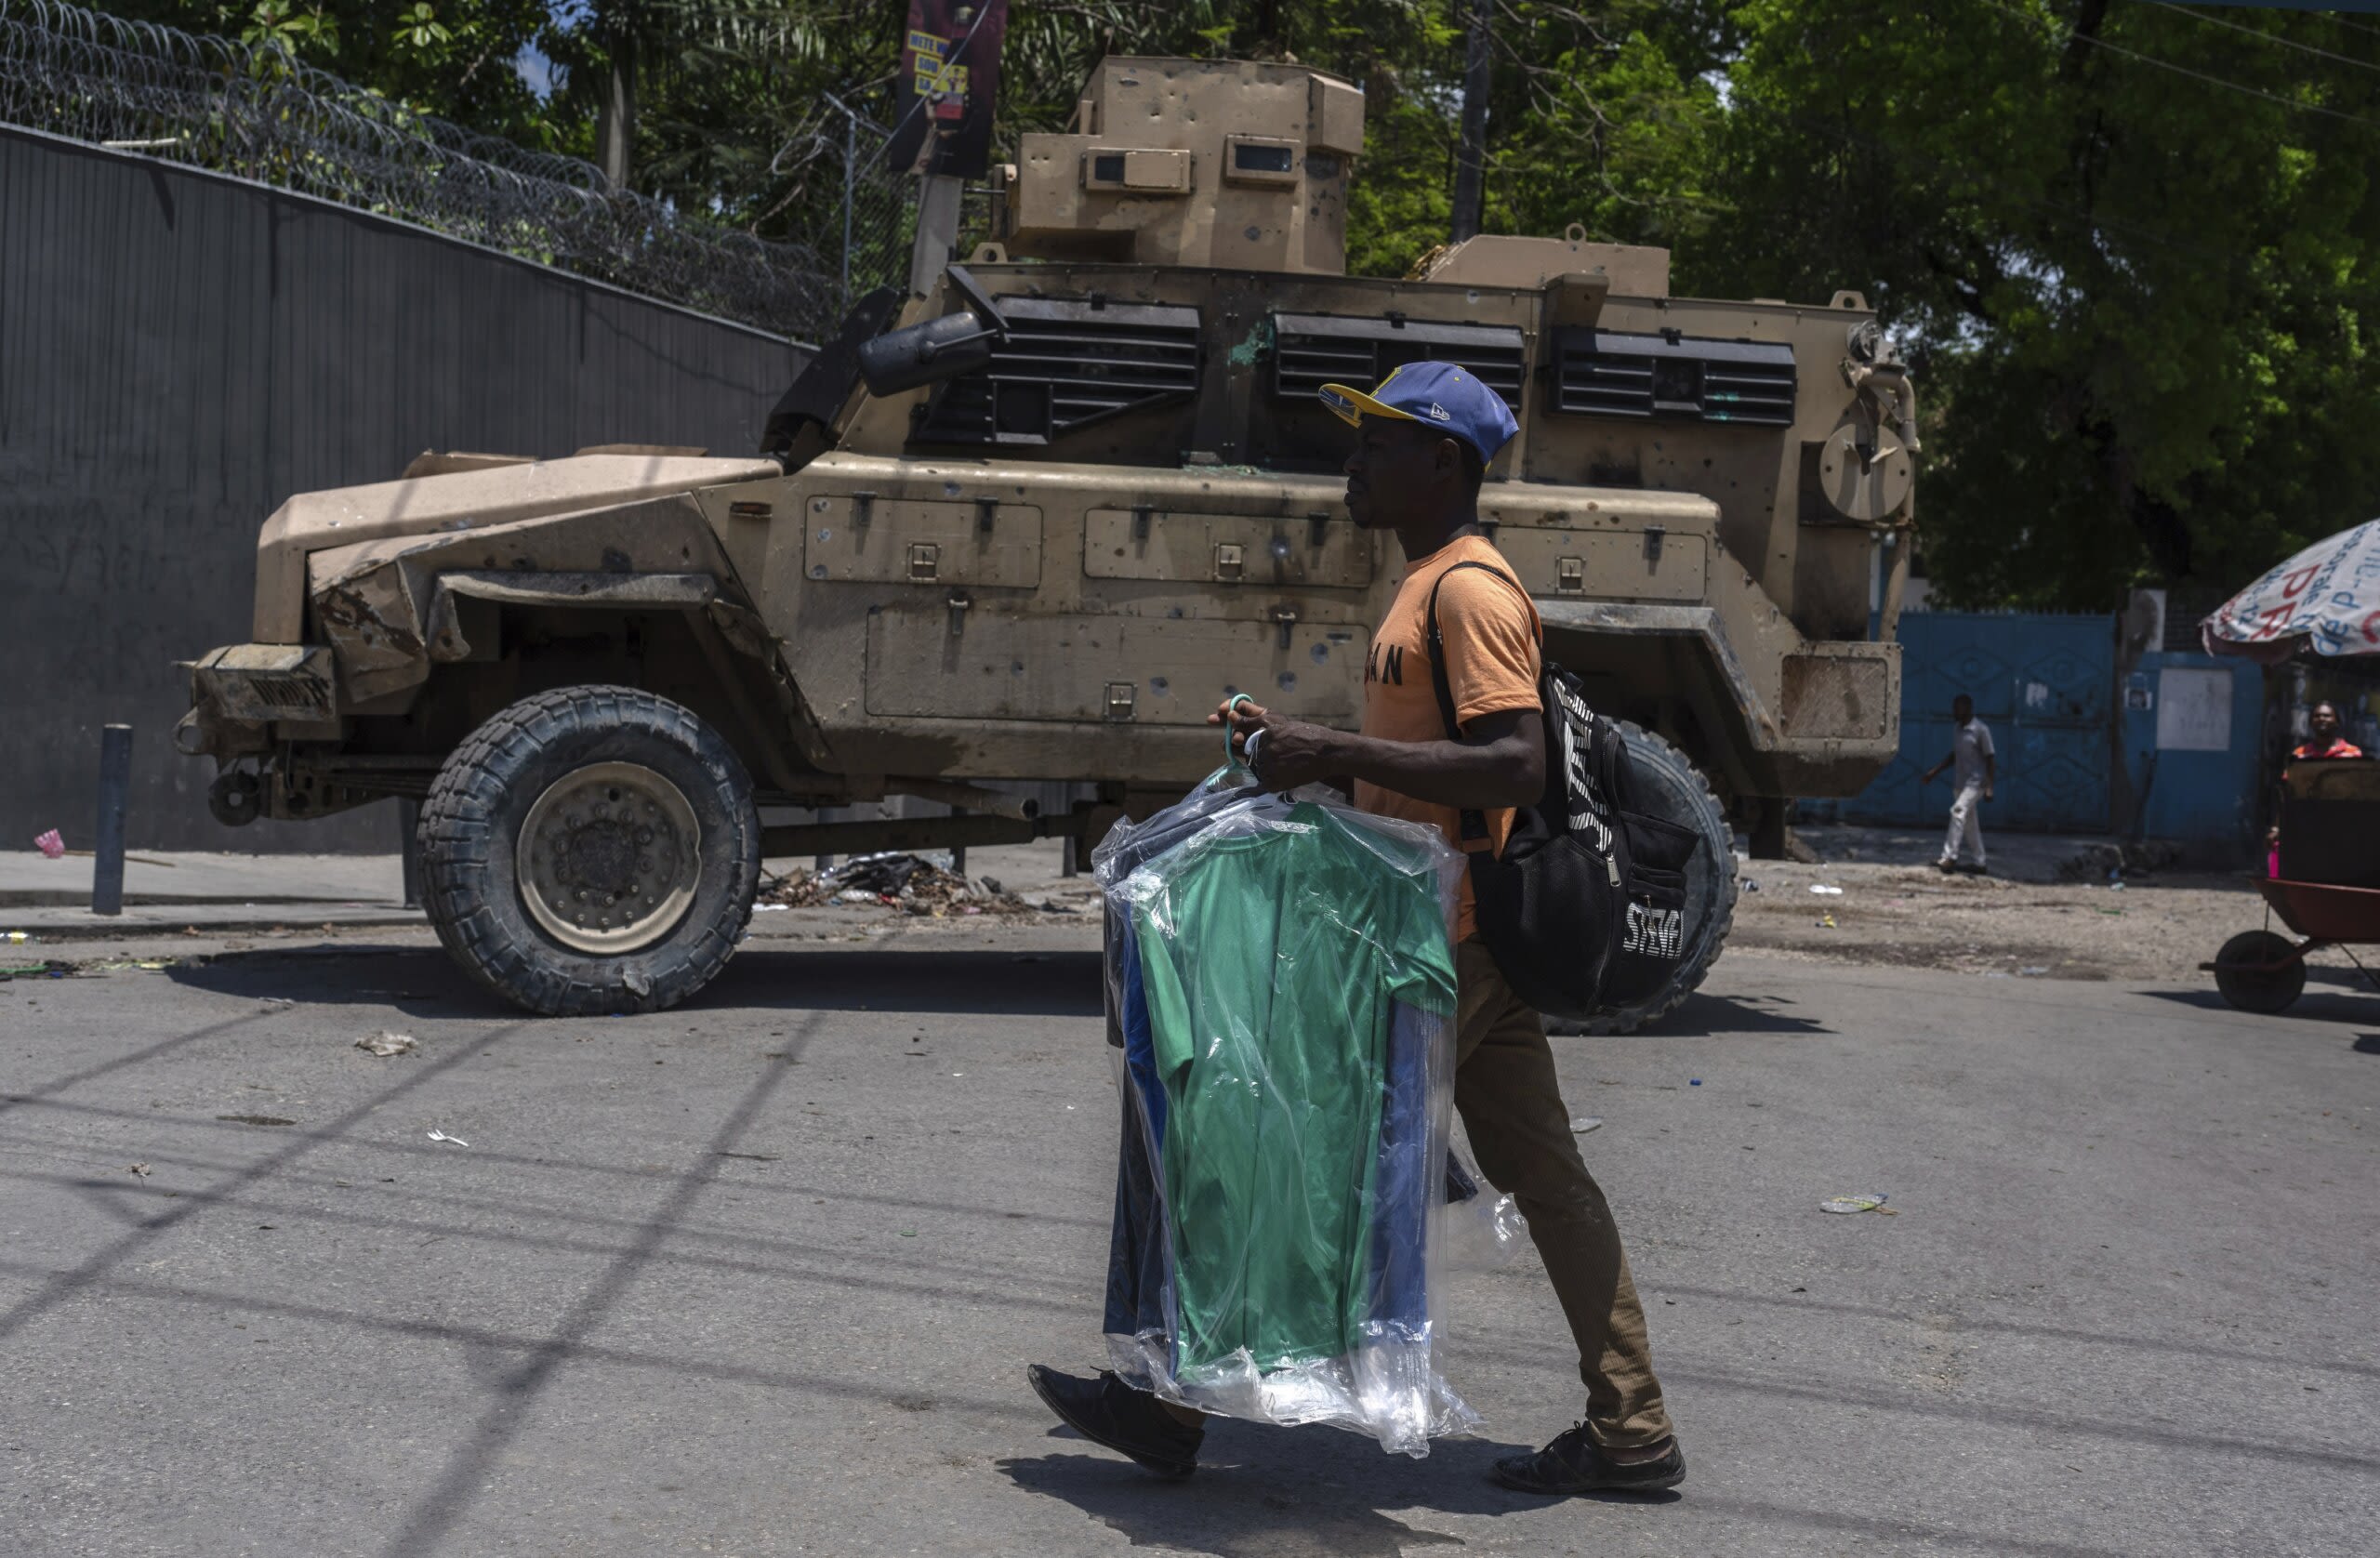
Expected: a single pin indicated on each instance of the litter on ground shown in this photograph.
(385, 1043)
(907, 882)
(442, 1136)
(1847, 1204)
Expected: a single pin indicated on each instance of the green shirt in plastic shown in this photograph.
(1272, 964)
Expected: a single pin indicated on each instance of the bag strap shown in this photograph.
(1474, 821)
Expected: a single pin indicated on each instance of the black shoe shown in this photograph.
(1573, 1464)
(1973, 871)
(1107, 1411)
(1946, 868)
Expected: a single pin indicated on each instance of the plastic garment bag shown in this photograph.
(1281, 984)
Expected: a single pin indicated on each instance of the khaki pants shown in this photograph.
(1511, 1104)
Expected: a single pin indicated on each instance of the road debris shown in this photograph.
(1826, 890)
(1585, 1123)
(139, 1169)
(256, 1119)
(442, 1136)
(1848, 1204)
(386, 1043)
(51, 844)
(907, 882)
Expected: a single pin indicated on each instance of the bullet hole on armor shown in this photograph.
(950, 489)
(817, 570)
(1288, 682)
(1253, 232)
(1321, 652)
(1174, 612)
(1231, 692)
(1017, 666)
(825, 536)
(1158, 684)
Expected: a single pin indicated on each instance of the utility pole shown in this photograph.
(1472, 157)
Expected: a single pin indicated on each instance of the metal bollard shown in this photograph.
(115, 788)
(959, 852)
(821, 864)
(409, 848)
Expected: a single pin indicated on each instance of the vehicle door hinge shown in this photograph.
(959, 602)
(1120, 699)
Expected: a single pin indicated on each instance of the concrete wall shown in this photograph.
(181, 353)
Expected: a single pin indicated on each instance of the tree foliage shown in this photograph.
(2129, 245)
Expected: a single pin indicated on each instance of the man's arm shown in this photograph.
(1936, 772)
(1991, 775)
(1499, 760)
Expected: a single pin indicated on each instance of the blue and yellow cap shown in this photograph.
(1436, 393)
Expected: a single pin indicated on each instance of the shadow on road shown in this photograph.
(2352, 1004)
(1264, 1492)
(1004, 983)
(425, 983)
(1704, 1015)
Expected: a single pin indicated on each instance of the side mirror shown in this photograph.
(939, 348)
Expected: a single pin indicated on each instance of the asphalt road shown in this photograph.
(762, 1276)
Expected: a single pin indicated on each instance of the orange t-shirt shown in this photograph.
(1491, 631)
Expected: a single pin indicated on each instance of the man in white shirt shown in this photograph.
(1971, 755)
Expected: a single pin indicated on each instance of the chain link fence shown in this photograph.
(256, 112)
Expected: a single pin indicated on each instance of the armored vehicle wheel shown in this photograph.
(2256, 973)
(591, 849)
(1671, 787)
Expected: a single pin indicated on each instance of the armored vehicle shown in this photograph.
(1032, 521)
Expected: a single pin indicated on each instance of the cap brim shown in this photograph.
(1351, 406)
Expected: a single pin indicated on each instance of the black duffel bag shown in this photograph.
(1585, 908)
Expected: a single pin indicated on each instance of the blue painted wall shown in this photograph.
(2193, 797)
(2044, 685)
(2064, 714)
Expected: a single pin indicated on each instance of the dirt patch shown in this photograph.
(2153, 931)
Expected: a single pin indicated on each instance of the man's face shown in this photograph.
(1395, 472)
(2324, 722)
(1963, 709)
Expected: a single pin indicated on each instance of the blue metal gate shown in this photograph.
(2045, 687)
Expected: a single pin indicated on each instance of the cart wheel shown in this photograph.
(2251, 988)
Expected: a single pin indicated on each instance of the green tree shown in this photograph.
(450, 58)
(2129, 245)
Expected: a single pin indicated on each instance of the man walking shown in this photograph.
(1971, 755)
(1423, 439)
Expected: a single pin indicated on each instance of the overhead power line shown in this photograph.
(2259, 32)
(2224, 82)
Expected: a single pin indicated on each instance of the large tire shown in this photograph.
(1671, 787)
(2263, 990)
(591, 849)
